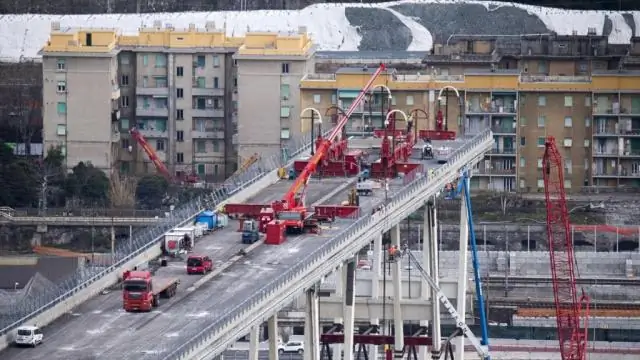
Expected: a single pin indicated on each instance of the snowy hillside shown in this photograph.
(401, 25)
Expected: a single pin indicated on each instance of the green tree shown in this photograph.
(151, 191)
(88, 184)
(18, 179)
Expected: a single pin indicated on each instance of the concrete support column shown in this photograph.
(431, 259)
(373, 349)
(113, 244)
(398, 323)
(254, 341)
(461, 305)
(312, 326)
(375, 290)
(273, 337)
(130, 236)
(340, 285)
(349, 308)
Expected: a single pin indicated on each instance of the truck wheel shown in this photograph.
(156, 301)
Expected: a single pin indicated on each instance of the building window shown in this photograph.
(234, 103)
(587, 100)
(180, 71)
(317, 99)
(235, 81)
(179, 114)
(523, 141)
(285, 68)
(201, 168)
(216, 103)
(568, 166)
(587, 122)
(409, 100)
(542, 100)
(160, 145)
(523, 121)
(145, 81)
(61, 64)
(124, 143)
(216, 61)
(124, 101)
(62, 108)
(523, 184)
(124, 167)
(201, 146)
(568, 122)
(542, 67)
(125, 59)
(61, 129)
(62, 86)
(216, 82)
(541, 121)
(539, 163)
(586, 163)
(235, 62)
(334, 99)
(124, 123)
(567, 184)
(180, 93)
(216, 146)
(180, 136)
(567, 142)
(393, 100)
(201, 82)
(284, 91)
(587, 143)
(201, 61)
(200, 125)
(541, 141)
(161, 81)
(124, 80)
(522, 161)
(179, 158)
(285, 111)
(145, 59)
(285, 133)
(568, 101)
(540, 183)
(161, 60)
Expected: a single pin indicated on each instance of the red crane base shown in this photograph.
(411, 344)
(436, 135)
(378, 171)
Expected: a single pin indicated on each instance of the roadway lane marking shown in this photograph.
(218, 270)
(172, 335)
(200, 314)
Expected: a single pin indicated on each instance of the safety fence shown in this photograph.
(17, 310)
(215, 337)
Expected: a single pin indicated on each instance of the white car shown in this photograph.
(291, 347)
(29, 336)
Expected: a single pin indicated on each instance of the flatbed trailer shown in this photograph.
(142, 291)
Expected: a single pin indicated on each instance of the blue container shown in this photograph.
(208, 217)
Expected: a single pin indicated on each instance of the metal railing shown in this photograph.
(339, 244)
(21, 309)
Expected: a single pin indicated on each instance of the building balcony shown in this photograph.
(208, 134)
(206, 91)
(622, 173)
(494, 110)
(496, 171)
(152, 111)
(207, 113)
(153, 134)
(115, 136)
(152, 91)
(503, 152)
(606, 132)
(503, 130)
(115, 92)
(630, 153)
(606, 111)
(606, 153)
(554, 79)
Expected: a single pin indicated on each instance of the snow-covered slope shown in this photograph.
(400, 25)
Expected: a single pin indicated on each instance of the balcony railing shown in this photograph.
(630, 152)
(617, 131)
(325, 77)
(611, 152)
(491, 110)
(503, 129)
(503, 151)
(208, 134)
(554, 79)
(152, 111)
(619, 173)
(207, 112)
(149, 133)
(152, 90)
(496, 171)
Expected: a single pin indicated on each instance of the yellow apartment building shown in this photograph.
(180, 88)
(595, 119)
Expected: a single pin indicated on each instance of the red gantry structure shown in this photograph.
(571, 312)
(290, 214)
(395, 151)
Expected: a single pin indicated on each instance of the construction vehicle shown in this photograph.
(572, 310)
(440, 133)
(290, 214)
(426, 153)
(250, 231)
(141, 291)
(364, 187)
(395, 151)
(199, 264)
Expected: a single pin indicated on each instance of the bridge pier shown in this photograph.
(349, 309)
(254, 341)
(461, 304)
(376, 268)
(430, 261)
(396, 274)
(312, 326)
(273, 337)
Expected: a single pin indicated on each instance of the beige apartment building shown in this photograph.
(179, 88)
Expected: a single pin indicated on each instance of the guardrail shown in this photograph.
(273, 296)
(24, 309)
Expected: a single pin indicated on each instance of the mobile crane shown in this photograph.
(572, 313)
(290, 213)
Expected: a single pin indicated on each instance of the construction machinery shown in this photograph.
(572, 310)
(440, 132)
(395, 151)
(142, 291)
(250, 231)
(290, 215)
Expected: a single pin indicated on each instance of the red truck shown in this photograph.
(199, 264)
(142, 291)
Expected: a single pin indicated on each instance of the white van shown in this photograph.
(29, 336)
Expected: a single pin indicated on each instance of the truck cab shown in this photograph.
(137, 291)
(199, 264)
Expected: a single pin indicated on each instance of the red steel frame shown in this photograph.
(572, 332)
(411, 343)
(162, 169)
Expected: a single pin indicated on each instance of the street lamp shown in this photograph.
(314, 112)
(385, 144)
(414, 114)
(446, 105)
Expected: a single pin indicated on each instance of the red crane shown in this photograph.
(290, 213)
(572, 313)
(162, 169)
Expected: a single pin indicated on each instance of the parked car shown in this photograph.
(199, 264)
(29, 336)
(292, 347)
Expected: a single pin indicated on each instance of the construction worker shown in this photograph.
(392, 253)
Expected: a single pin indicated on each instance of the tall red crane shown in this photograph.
(572, 312)
(162, 169)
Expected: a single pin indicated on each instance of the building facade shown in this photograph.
(178, 87)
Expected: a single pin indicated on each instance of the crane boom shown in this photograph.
(325, 144)
(150, 153)
(572, 332)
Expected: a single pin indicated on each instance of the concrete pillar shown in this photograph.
(131, 236)
(375, 290)
(340, 284)
(396, 274)
(254, 341)
(312, 326)
(461, 305)
(430, 256)
(113, 244)
(373, 349)
(273, 337)
(349, 308)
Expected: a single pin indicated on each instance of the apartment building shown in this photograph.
(178, 87)
(270, 67)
